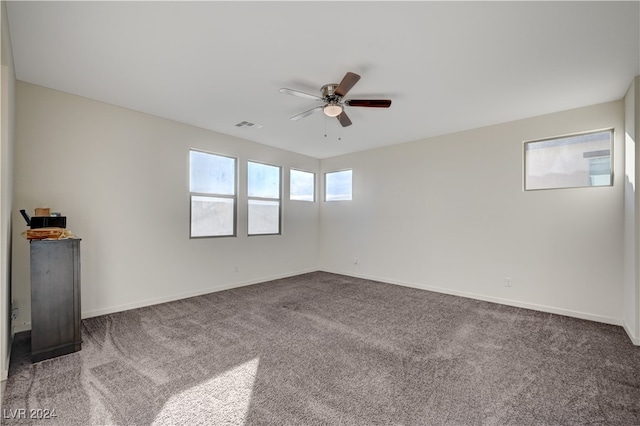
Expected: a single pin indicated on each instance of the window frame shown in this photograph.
(279, 199)
(326, 186)
(292, 169)
(609, 130)
(233, 197)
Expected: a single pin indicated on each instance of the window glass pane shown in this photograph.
(302, 186)
(569, 162)
(212, 174)
(211, 216)
(338, 186)
(600, 171)
(264, 217)
(263, 180)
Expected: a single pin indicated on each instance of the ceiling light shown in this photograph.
(333, 110)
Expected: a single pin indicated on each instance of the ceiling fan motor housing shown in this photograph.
(328, 92)
(333, 108)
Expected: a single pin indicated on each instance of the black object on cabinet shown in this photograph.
(55, 298)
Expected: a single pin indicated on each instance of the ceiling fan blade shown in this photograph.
(299, 94)
(344, 119)
(306, 113)
(348, 81)
(369, 103)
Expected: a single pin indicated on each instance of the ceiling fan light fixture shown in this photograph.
(332, 110)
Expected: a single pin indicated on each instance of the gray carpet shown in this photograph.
(328, 349)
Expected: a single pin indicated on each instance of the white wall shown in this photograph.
(7, 106)
(446, 213)
(631, 295)
(121, 178)
(449, 213)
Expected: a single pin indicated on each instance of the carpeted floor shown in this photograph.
(328, 349)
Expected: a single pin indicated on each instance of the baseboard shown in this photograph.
(508, 302)
(4, 374)
(3, 386)
(542, 308)
(634, 339)
(156, 301)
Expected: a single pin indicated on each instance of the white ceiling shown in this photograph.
(447, 66)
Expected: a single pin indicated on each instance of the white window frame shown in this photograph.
(326, 186)
(610, 154)
(254, 198)
(233, 197)
(313, 195)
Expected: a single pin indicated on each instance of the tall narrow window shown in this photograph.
(338, 185)
(263, 191)
(212, 183)
(569, 162)
(302, 186)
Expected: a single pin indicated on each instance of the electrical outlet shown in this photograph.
(355, 261)
(14, 314)
(507, 282)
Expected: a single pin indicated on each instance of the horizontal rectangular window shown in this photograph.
(302, 186)
(212, 184)
(338, 185)
(569, 162)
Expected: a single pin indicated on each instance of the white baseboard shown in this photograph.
(634, 339)
(4, 374)
(156, 301)
(508, 302)
(3, 388)
(542, 308)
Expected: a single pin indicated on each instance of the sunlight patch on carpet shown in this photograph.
(222, 399)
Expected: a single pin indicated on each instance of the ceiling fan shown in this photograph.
(334, 102)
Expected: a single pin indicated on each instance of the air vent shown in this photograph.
(248, 124)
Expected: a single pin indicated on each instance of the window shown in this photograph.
(263, 191)
(569, 162)
(338, 186)
(302, 186)
(212, 183)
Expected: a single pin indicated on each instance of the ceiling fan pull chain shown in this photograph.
(325, 126)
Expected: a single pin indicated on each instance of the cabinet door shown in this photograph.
(52, 294)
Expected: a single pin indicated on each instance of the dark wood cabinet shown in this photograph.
(55, 298)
